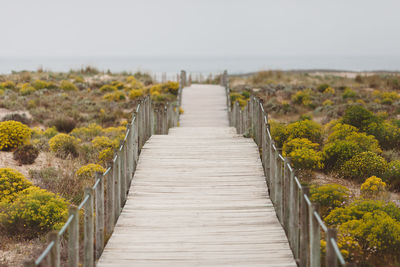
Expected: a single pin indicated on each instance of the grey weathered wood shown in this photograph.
(331, 259)
(315, 238)
(88, 239)
(117, 188)
(110, 203)
(199, 197)
(99, 200)
(73, 238)
(54, 255)
(304, 229)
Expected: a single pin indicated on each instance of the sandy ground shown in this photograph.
(45, 159)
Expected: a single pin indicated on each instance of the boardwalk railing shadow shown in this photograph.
(102, 203)
(296, 213)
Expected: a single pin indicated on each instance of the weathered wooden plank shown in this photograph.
(199, 197)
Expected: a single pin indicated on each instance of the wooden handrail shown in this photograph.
(102, 207)
(297, 214)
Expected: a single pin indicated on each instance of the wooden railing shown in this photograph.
(296, 213)
(102, 203)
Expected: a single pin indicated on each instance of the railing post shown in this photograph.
(54, 255)
(121, 176)
(278, 185)
(272, 170)
(315, 237)
(304, 229)
(110, 202)
(73, 238)
(293, 214)
(88, 242)
(267, 154)
(99, 215)
(117, 187)
(331, 259)
(285, 196)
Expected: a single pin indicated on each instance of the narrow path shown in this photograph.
(199, 197)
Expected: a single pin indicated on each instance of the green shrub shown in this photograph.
(305, 129)
(338, 152)
(373, 187)
(34, 212)
(364, 165)
(8, 85)
(348, 93)
(359, 117)
(235, 96)
(392, 175)
(87, 133)
(387, 134)
(26, 89)
(39, 84)
(303, 98)
(329, 197)
(322, 87)
(63, 125)
(246, 94)
(278, 132)
(11, 183)
(13, 134)
(108, 88)
(68, 86)
(26, 154)
(340, 131)
(88, 171)
(64, 145)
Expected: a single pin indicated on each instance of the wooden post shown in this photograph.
(304, 229)
(99, 215)
(315, 237)
(88, 241)
(285, 196)
(331, 259)
(29, 263)
(110, 202)
(278, 185)
(272, 170)
(73, 238)
(117, 188)
(54, 255)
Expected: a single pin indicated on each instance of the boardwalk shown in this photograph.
(199, 197)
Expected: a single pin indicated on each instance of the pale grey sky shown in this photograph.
(66, 28)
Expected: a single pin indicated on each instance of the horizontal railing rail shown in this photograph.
(296, 213)
(102, 203)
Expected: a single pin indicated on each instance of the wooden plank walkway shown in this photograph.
(199, 197)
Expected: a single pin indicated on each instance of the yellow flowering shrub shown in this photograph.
(11, 183)
(242, 102)
(305, 129)
(181, 111)
(88, 171)
(349, 93)
(108, 88)
(64, 145)
(170, 87)
(329, 91)
(117, 84)
(327, 102)
(303, 97)
(26, 89)
(34, 211)
(298, 143)
(13, 134)
(115, 96)
(155, 89)
(50, 132)
(373, 187)
(39, 84)
(68, 86)
(133, 83)
(106, 155)
(8, 85)
(102, 142)
(135, 93)
(392, 175)
(329, 197)
(89, 132)
(306, 159)
(278, 132)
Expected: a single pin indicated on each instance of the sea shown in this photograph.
(202, 65)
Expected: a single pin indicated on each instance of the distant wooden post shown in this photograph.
(88, 242)
(54, 255)
(73, 238)
(110, 202)
(99, 215)
(304, 229)
(183, 79)
(224, 78)
(117, 187)
(331, 259)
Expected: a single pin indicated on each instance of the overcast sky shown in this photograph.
(199, 27)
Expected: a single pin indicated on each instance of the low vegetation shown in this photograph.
(76, 121)
(342, 133)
